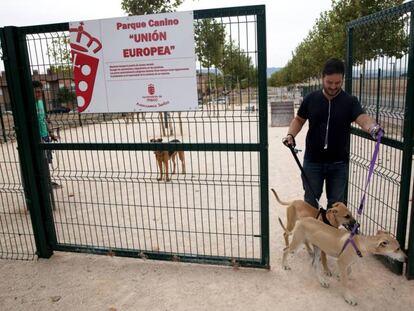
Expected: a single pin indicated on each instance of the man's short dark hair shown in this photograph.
(37, 84)
(333, 66)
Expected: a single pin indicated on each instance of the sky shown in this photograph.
(287, 21)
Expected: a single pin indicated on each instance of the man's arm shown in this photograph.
(365, 122)
(368, 125)
(294, 128)
(296, 125)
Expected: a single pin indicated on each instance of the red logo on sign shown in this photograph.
(85, 66)
(151, 89)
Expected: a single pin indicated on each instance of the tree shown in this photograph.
(142, 7)
(237, 65)
(65, 95)
(59, 51)
(328, 39)
(209, 40)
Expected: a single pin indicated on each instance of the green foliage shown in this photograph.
(238, 67)
(328, 39)
(65, 95)
(209, 39)
(142, 7)
(213, 50)
(58, 51)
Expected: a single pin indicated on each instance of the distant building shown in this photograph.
(52, 81)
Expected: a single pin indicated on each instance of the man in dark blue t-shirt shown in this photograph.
(330, 112)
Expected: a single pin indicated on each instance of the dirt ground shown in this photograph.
(69, 281)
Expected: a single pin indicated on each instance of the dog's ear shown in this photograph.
(338, 204)
(331, 216)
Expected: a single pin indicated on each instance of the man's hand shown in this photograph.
(375, 130)
(289, 141)
(53, 137)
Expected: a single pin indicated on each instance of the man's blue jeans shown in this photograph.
(335, 176)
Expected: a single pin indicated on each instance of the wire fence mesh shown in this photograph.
(379, 80)
(16, 233)
(110, 196)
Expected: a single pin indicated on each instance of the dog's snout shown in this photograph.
(400, 251)
(350, 226)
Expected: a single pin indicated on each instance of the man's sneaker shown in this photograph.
(55, 185)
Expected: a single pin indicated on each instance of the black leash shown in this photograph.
(295, 156)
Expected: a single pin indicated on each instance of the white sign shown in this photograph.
(135, 63)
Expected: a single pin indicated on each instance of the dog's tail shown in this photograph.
(283, 226)
(278, 199)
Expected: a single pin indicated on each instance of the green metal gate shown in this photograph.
(380, 73)
(110, 201)
(16, 234)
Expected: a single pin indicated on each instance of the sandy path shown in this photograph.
(71, 281)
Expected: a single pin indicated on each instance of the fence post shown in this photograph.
(348, 87)
(349, 60)
(3, 128)
(28, 137)
(407, 161)
(264, 169)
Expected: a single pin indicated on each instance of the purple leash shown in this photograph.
(361, 205)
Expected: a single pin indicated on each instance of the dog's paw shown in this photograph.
(310, 251)
(328, 273)
(335, 274)
(324, 283)
(350, 299)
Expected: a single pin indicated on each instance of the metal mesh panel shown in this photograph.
(382, 200)
(111, 198)
(16, 234)
(379, 76)
(380, 52)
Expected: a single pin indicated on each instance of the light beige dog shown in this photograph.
(331, 241)
(338, 215)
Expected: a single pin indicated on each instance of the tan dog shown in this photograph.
(163, 157)
(338, 215)
(331, 241)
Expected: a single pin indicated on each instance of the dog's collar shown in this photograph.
(325, 220)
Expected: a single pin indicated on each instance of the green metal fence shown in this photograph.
(110, 201)
(16, 234)
(380, 74)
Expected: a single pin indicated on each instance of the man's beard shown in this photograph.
(331, 93)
